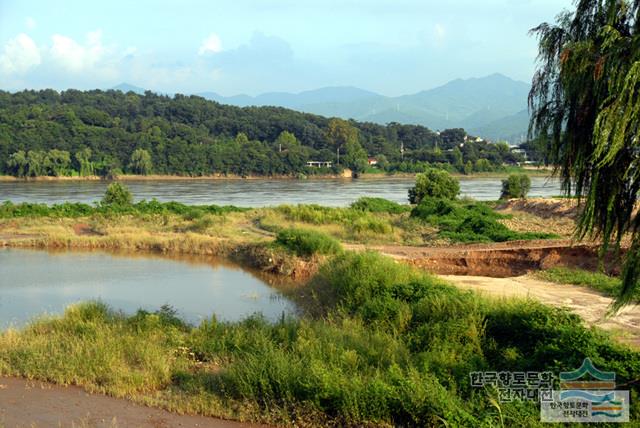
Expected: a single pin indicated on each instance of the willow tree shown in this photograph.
(585, 104)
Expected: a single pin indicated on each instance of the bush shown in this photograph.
(378, 205)
(434, 183)
(117, 194)
(26, 209)
(468, 222)
(307, 242)
(516, 186)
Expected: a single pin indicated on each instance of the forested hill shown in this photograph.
(98, 132)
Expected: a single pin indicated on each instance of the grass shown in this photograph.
(607, 285)
(307, 242)
(366, 221)
(74, 209)
(379, 205)
(469, 221)
(383, 344)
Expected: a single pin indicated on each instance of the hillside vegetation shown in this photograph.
(109, 133)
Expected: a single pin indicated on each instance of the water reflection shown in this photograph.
(34, 282)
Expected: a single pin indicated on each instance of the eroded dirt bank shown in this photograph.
(497, 260)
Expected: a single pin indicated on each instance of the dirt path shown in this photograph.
(590, 305)
(38, 405)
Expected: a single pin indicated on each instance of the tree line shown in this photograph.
(109, 132)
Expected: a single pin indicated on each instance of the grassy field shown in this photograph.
(177, 227)
(382, 344)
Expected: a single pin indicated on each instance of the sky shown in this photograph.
(392, 47)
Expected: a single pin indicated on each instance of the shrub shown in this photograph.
(74, 209)
(434, 183)
(468, 222)
(117, 194)
(516, 186)
(307, 242)
(378, 205)
(435, 207)
(26, 209)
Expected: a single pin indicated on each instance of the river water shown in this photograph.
(34, 282)
(256, 193)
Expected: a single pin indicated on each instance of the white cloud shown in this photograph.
(211, 44)
(75, 57)
(19, 55)
(30, 23)
(439, 31)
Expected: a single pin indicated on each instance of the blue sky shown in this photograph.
(392, 47)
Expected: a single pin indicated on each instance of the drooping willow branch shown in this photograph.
(585, 106)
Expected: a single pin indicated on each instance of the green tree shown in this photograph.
(383, 162)
(434, 183)
(141, 162)
(286, 140)
(57, 162)
(355, 157)
(468, 168)
(85, 166)
(585, 104)
(516, 186)
(482, 165)
(36, 160)
(18, 164)
(241, 138)
(339, 133)
(458, 162)
(117, 194)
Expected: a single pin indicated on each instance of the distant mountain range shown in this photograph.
(493, 107)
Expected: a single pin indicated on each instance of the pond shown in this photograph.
(258, 192)
(34, 282)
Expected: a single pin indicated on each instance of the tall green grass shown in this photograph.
(379, 205)
(304, 242)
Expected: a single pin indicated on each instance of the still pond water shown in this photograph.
(35, 282)
(257, 193)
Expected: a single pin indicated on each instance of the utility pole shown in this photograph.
(402, 150)
(338, 154)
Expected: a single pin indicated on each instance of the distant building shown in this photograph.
(319, 164)
(372, 161)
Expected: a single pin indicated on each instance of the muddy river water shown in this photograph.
(257, 193)
(34, 282)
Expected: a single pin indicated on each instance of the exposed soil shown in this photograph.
(543, 207)
(589, 304)
(34, 404)
(83, 229)
(496, 260)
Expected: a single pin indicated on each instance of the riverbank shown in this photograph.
(377, 343)
(542, 171)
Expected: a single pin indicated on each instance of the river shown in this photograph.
(256, 193)
(35, 282)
